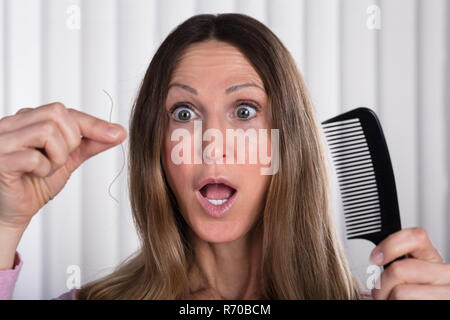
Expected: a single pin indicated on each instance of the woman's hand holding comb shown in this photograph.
(422, 275)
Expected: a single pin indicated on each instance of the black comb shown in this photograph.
(364, 171)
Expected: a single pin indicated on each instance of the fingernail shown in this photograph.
(113, 131)
(377, 257)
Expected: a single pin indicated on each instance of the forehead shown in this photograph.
(214, 62)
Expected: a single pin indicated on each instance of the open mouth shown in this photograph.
(217, 193)
(216, 196)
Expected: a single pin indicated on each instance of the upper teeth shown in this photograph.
(217, 202)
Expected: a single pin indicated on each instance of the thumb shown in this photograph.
(89, 148)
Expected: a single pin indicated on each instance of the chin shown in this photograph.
(217, 231)
(213, 238)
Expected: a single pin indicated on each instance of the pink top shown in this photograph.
(8, 280)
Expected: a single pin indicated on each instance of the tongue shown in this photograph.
(217, 191)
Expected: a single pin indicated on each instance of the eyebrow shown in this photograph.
(227, 91)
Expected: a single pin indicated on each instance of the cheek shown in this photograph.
(253, 188)
(178, 176)
(254, 185)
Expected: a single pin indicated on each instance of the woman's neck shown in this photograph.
(227, 270)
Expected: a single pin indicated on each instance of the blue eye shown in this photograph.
(183, 113)
(245, 111)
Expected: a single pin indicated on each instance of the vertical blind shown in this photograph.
(391, 56)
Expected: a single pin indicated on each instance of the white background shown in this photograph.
(401, 70)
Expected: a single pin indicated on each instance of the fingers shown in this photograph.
(93, 142)
(97, 129)
(87, 149)
(28, 160)
(72, 123)
(411, 271)
(44, 135)
(420, 292)
(58, 131)
(23, 110)
(55, 112)
(423, 270)
(413, 241)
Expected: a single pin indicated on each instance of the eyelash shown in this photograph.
(240, 103)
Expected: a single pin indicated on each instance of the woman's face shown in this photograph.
(220, 202)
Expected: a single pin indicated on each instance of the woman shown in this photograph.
(215, 231)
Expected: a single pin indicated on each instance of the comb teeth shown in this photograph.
(356, 177)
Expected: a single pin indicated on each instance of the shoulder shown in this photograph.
(69, 295)
(366, 295)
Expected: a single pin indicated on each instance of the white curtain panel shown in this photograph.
(391, 56)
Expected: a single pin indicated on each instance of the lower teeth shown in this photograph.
(217, 202)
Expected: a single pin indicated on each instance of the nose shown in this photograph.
(213, 155)
(214, 149)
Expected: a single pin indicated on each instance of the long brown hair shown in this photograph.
(302, 256)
